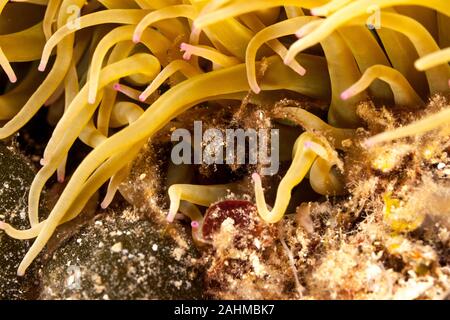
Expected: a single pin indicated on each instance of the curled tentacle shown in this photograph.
(404, 94)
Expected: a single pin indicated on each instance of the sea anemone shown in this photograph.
(118, 71)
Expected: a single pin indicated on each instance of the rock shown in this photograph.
(121, 256)
(16, 175)
(243, 215)
(244, 262)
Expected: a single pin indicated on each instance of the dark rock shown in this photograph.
(16, 175)
(121, 256)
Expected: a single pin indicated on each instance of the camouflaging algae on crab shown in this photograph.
(93, 91)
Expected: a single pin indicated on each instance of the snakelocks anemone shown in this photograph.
(113, 73)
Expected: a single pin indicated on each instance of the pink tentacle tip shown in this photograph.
(117, 87)
(13, 78)
(187, 54)
(368, 143)
(308, 144)
(61, 178)
(91, 100)
(256, 177)
(104, 204)
(43, 161)
(300, 33)
(142, 97)
(171, 216)
(137, 37)
(42, 66)
(302, 72)
(20, 273)
(183, 46)
(346, 95)
(2, 225)
(256, 90)
(195, 224)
